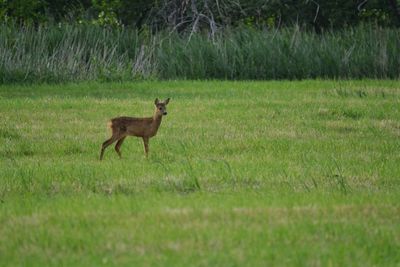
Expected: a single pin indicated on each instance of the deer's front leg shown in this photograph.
(146, 145)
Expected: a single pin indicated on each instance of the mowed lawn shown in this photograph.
(288, 173)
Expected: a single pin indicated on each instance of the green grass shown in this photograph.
(240, 174)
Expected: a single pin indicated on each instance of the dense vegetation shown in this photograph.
(114, 40)
(65, 52)
(191, 15)
(240, 174)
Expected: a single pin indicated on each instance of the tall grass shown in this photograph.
(58, 53)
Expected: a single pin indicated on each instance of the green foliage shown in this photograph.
(107, 12)
(163, 14)
(26, 11)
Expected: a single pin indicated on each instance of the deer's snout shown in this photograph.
(165, 113)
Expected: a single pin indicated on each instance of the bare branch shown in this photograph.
(317, 11)
(361, 5)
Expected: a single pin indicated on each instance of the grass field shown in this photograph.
(240, 174)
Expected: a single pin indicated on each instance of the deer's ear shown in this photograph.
(167, 101)
(156, 101)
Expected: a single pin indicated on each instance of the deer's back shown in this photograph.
(131, 125)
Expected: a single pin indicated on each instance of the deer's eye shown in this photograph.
(160, 108)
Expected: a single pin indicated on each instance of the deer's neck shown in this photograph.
(156, 122)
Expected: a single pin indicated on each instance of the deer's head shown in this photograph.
(161, 106)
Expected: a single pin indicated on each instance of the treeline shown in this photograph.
(65, 52)
(205, 15)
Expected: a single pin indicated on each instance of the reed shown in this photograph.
(62, 53)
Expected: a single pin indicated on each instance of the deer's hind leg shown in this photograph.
(118, 146)
(106, 143)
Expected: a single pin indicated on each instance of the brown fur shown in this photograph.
(140, 127)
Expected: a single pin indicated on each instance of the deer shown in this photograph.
(140, 127)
